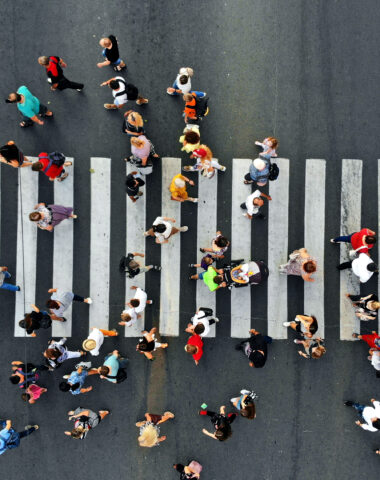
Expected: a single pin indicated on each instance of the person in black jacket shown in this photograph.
(111, 53)
(221, 422)
(255, 347)
(54, 72)
(13, 156)
(35, 320)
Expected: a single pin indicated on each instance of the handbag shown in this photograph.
(354, 253)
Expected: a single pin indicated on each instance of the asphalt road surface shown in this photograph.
(305, 72)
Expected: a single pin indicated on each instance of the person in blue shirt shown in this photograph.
(258, 172)
(9, 438)
(76, 380)
(111, 365)
(29, 106)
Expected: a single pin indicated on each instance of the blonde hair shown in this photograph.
(375, 305)
(43, 60)
(105, 42)
(208, 152)
(136, 142)
(149, 436)
(318, 352)
(138, 119)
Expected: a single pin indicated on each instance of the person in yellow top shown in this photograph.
(178, 189)
(191, 139)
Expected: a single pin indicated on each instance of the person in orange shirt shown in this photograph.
(178, 189)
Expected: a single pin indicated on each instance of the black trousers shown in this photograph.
(65, 83)
(345, 265)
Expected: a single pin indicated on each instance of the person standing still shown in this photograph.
(53, 66)
(29, 106)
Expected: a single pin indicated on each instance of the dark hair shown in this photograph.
(248, 411)
(199, 328)
(52, 353)
(160, 228)
(218, 279)
(114, 84)
(192, 137)
(26, 322)
(52, 304)
(376, 423)
(64, 387)
(221, 241)
(314, 325)
(183, 79)
(309, 266)
(25, 396)
(135, 302)
(15, 379)
(370, 239)
(143, 345)
(104, 370)
(223, 433)
(377, 373)
(35, 216)
(16, 99)
(74, 386)
(372, 267)
(37, 166)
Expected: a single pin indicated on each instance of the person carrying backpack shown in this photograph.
(191, 471)
(196, 107)
(84, 421)
(122, 92)
(113, 368)
(51, 164)
(35, 320)
(9, 438)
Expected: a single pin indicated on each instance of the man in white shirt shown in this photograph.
(122, 92)
(374, 358)
(95, 340)
(253, 203)
(162, 229)
(201, 322)
(363, 267)
(140, 300)
(371, 415)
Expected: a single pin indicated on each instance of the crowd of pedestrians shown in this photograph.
(113, 366)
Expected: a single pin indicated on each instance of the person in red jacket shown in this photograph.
(373, 339)
(361, 241)
(194, 346)
(54, 72)
(54, 171)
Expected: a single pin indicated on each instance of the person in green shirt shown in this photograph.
(213, 278)
(29, 106)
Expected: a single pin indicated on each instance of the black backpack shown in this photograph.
(131, 91)
(201, 106)
(274, 172)
(120, 376)
(55, 158)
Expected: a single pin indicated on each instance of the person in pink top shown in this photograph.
(33, 393)
(361, 241)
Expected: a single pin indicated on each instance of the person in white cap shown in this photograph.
(178, 189)
(258, 172)
(95, 340)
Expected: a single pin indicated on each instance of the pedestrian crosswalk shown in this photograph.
(171, 289)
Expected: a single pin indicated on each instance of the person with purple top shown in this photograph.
(49, 216)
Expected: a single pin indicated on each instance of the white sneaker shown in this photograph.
(296, 340)
(222, 168)
(88, 300)
(216, 320)
(244, 392)
(332, 240)
(66, 377)
(286, 324)
(194, 200)
(183, 229)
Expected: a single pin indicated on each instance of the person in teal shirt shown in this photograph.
(213, 278)
(29, 106)
(111, 365)
(9, 438)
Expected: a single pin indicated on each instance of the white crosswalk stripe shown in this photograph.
(170, 288)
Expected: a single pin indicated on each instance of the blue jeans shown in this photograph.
(344, 238)
(8, 286)
(200, 275)
(359, 408)
(176, 87)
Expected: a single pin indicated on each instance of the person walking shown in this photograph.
(140, 300)
(148, 343)
(219, 246)
(191, 471)
(111, 53)
(362, 266)
(76, 380)
(60, 302)
(29, 106)
(194, 347)
(49, 216)
(57, 353)
(314, 348)
(133, 124)
(132, 268)
(205, 262)
(205, 163)
(373, 339)
(253, 203)
(128, 316)
(255, 348)
(195, 107)
(370, 414)
(212, 277)
(95, 340)
(84, 421)
(11, 155)
(33, 393)
(245, 404)
(5, 275)
(149, 433)
(122, 92)
(52, 165)
(258, 172)
(269, 146)
(201, 322)
(374, 358)
(361, 241)
(35, 320)
(301, 264)
(178, 189)
(366, 308)
(24, 375)
(190, 139)
(133, 183)
(182, 83)
(9, 438)
(221, 422)
(113, 368)
(143, 152)
(53, 66)
(163, 229)
(305, 325)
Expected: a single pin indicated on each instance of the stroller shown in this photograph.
(239, 274)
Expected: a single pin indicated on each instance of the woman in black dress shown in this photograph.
(11, 155)
(365, 307)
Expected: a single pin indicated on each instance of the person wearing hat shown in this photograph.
(258, 172)
(133, 183)
(178, 189)
(95, 340)
(363, 267)
(204, 162)
(255, 348)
